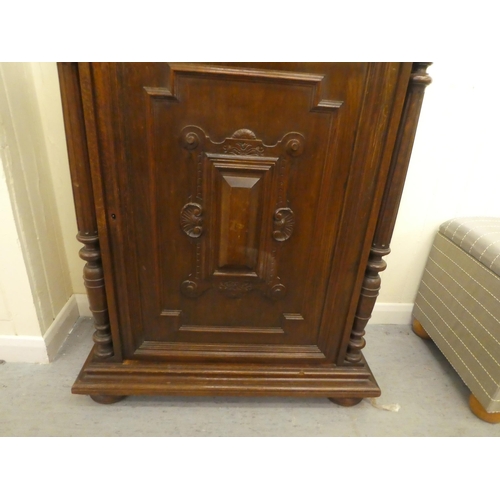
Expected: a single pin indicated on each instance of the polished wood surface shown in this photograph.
(238, 214)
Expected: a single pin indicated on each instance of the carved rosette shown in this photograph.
(284, 221)
(190, 139)
(191, 219)
(295, 146)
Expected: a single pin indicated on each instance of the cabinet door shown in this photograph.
(237, 202)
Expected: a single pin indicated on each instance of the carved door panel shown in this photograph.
(224, 191)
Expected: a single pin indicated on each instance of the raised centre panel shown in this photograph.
(240, 199)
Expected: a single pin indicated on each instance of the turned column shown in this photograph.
(79, 161)
(369, 293)
(93, 277)
(419, 80)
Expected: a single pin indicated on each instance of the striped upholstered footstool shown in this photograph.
(458, 306)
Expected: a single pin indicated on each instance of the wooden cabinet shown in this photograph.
(234, 218)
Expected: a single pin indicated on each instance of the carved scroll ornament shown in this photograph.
(284, 220)
(191, 219)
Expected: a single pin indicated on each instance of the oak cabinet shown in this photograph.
(234, 218)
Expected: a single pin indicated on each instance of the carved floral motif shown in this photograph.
(243, 148)
(235, 288)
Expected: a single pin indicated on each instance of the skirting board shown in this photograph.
(387, 313)
(83, 304)
(383, 314)
(35, 349)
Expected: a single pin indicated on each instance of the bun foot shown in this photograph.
(418, 329)
(107, 400)
(346, 401)
(478, 410)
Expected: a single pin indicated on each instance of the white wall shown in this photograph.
(37, 307)
(17, 309)
(46, 84)
(454, 169)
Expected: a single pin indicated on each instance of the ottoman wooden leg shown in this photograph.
(478, 410)
(418, 329)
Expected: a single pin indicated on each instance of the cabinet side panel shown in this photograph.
(419, 80)
(400, 157)
(77, 100)
(378, 122)
(76, 139)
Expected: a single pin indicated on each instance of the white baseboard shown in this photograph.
(83, 304)
(387, 313)
(61, 326)
(27, 349)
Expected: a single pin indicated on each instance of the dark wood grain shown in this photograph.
(76, 140)
(239, 210)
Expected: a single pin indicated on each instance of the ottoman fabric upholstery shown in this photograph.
(458, 303)
(478, 236)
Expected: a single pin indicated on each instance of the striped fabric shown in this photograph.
(458, 304)
(478, 236)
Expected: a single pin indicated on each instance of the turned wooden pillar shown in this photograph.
(369, 293)
(93, 278)
(390, 203)
(83, 193)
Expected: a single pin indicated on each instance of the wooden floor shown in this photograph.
(35, 400)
